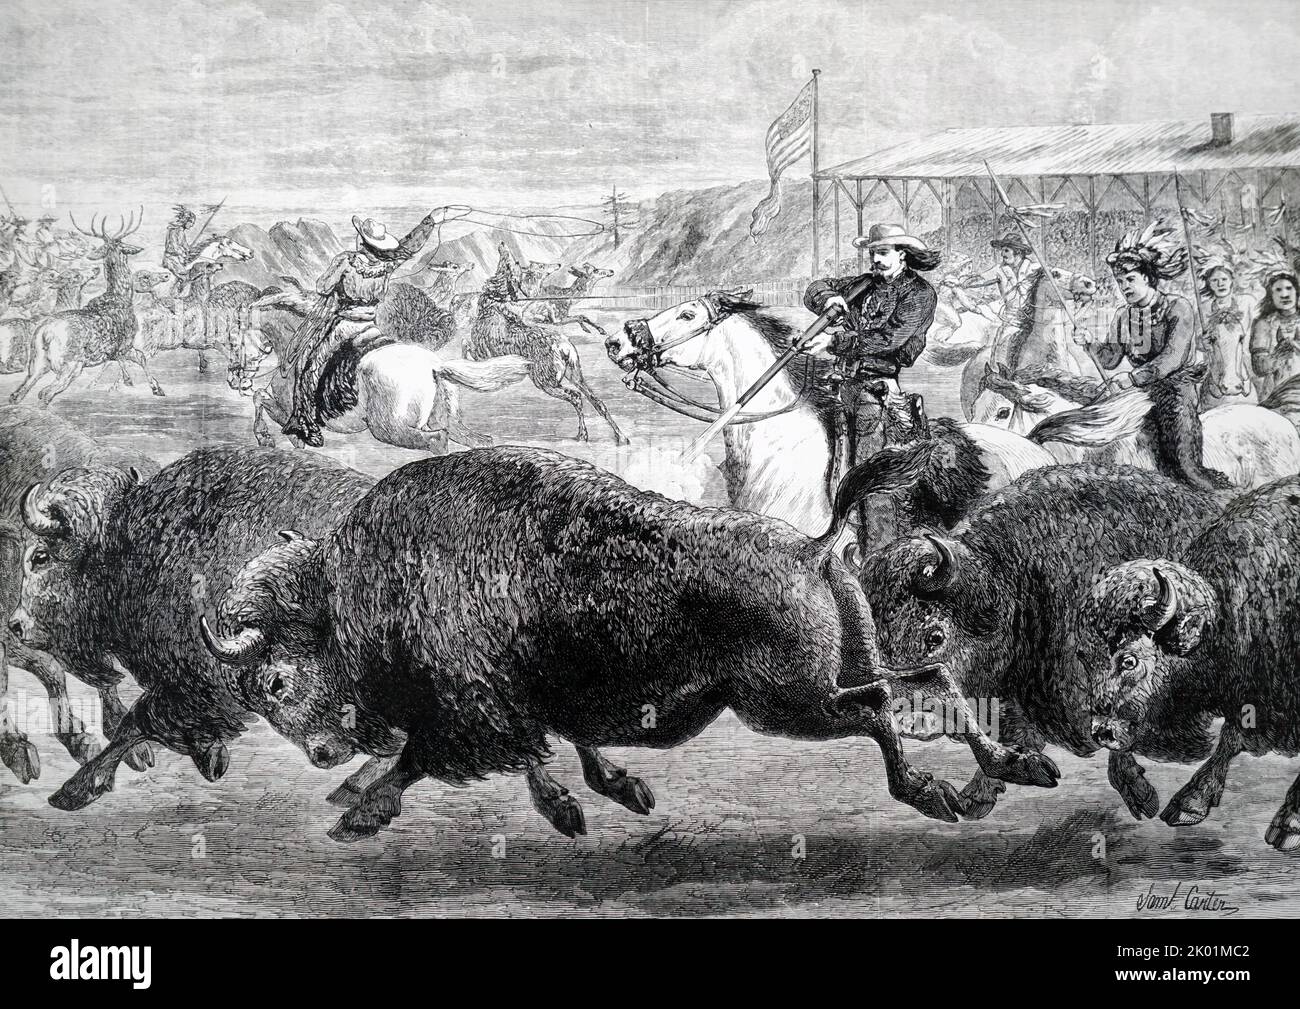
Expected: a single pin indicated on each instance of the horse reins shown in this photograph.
(662, 393)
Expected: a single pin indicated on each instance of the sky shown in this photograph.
(320, 109)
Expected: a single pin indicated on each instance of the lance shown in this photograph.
(1191, 257)
(204, 227)
(1047, 270)
(1024, 233)
(12, 213)
(827, 317)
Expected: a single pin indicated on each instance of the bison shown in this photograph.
(33, 444)
(117, 571)
(1216, 633)
(996, 605)
(480, 601)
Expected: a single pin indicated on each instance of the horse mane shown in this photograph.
(802, 370)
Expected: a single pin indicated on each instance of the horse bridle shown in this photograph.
(649, 363)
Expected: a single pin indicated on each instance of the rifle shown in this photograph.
(827, 317)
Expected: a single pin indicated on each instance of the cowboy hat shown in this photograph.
(887, 234)
(1010, 240)
(374, 234)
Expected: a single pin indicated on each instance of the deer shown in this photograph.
(559, 311)
(16, 332)
(104, 330)
(501, 328)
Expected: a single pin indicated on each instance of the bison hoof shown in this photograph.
(1026, 767)
(213, 761)
(20, 756)
(83, 747)
(1141, 797)
(376, 810)
(126, 380)
(1190, 805)
(345, 795)
(1284, 832)
(566, 816)
(633, 793)
(140, 757)
(939, 800)
(980, 796)
(157, 391)
(83, 788)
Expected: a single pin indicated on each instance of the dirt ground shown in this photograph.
(745, 825)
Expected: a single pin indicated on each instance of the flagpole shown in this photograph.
(816, 195)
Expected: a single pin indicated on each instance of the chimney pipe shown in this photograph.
(1221, 128)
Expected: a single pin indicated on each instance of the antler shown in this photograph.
(93, 232)
(132, 226)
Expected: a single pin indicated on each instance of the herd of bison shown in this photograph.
(454, 618)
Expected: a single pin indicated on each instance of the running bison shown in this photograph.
(1215, 634)
(34, 444)
(480, 601)
(117, 570)
(996, 606)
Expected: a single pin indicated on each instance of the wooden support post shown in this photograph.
(836, 268)
(945, 213)
(1092, 224)
(858, 203)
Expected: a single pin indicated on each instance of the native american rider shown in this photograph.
(178, 253)
(351, 289)
(1156, 331)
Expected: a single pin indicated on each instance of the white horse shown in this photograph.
(406, 395)
(777, 465)
(1248, 444)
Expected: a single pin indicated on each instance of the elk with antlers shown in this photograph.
(104, 330)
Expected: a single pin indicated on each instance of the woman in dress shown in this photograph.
(1275, 336)
(1227, 316)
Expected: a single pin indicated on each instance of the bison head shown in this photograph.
(936, 604)
(273, 633)
(1149, 613)
(65, 525)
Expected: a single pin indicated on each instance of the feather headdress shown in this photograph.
(1157, 250)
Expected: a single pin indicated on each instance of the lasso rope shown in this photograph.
(472, 215)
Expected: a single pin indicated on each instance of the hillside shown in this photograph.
(684, 237)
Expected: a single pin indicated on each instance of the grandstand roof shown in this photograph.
(1113, 149)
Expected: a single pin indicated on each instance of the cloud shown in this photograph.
(525, 102)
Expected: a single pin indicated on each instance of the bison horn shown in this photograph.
(942, 573)
(852, 556)
(1166, 604)
(36, 519)
(135, 475)
(291, 535)
(243, 649)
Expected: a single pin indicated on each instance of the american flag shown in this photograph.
(789, 138)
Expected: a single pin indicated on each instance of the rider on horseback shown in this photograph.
(882, 330)
(178, 253)
(1156, 332)
(351, 289)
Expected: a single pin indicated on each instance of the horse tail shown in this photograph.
(892, 468)
(1097, 424)
(488, 375)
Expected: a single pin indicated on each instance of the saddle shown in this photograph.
(337, 392)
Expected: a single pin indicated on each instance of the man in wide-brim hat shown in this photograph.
(352, 287)
(1014, 274)
(880, 330)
